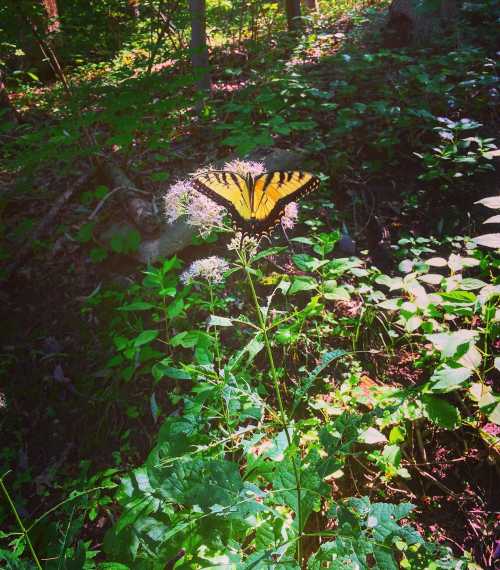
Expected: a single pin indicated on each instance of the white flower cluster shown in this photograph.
(210, 269)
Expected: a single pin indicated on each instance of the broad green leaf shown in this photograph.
(441, 412)
(145, 338)
(436, 262)
(446, 379)
(405, 266)
(302, 283)
(175, 308)
(431, 278)
(488, 240)
(453, 344)
(470, 284)
(458, 297)
(337, 294)
(372, 435)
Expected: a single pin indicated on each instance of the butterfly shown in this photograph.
(256, 203)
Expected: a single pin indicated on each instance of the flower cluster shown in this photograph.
(183, 200)
(290, 216)
(243, 243)
(244, 167)
(210, 269)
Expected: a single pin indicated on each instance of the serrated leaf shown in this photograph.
(175, 308)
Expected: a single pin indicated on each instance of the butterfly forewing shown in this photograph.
(227, 189)
(258, 205)
(274, 190)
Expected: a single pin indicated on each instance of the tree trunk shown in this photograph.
(292, 15)
(54, 23)
(7, 111)
(199, 51)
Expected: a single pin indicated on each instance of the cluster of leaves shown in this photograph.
(219, 487)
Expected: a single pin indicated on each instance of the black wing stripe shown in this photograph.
(253, 227)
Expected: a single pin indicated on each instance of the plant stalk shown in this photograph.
(283, 415)
(20, 523)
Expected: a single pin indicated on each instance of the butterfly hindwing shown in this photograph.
(256, 204)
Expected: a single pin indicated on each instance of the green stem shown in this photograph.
(283, 415)
(20, 523)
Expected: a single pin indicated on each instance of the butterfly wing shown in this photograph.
(272, 191)
(227, 189)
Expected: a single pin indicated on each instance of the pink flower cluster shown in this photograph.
(183, 200)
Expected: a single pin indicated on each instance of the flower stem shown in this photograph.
(283, 415)
(20, 523)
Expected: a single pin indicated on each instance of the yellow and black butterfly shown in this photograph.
(255, 203)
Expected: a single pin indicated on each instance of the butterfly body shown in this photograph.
(256, 203)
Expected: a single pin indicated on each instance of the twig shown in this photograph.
(99, 206)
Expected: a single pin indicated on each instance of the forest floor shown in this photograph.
(63, 419)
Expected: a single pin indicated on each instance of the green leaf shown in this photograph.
(470, 284)
(453, 344)
(441, 412)
(216, 321)
(446, 379)
(458, 296)
(137, 306)
(85, 233)
(336, 293)
(302, 283)
(372, 435)
(145, 338)
(125, 241)
(306, 385)
(98, 254)
(268, 252)
(191, 339)
(175, 308)
(488, 240)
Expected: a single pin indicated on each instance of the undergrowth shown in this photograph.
(302, 408)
